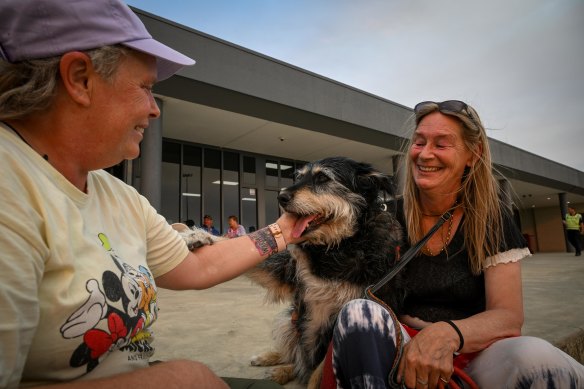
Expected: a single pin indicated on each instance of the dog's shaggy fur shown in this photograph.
(351, 243)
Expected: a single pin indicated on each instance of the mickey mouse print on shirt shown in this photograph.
(116, 314)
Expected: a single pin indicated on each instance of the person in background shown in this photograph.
(574, 228)
(235, 229)
(83, 254)
(208, 225)
(462, 297)
(190, 223)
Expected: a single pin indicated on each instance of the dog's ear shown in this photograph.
(385, 184)
(377, 183)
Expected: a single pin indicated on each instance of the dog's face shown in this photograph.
(331, 195)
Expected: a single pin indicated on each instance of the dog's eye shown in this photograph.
(320, 178)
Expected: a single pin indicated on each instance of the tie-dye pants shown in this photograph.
(364, 349)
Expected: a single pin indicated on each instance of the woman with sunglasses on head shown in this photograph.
(462, 295)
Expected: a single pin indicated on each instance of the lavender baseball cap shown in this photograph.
(33, 29)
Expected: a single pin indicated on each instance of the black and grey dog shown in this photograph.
(351, 243)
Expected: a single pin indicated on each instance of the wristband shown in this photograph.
(460, 337)
(277, 234)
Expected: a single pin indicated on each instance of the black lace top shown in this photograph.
(443, 287)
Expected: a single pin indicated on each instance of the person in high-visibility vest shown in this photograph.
(574, 227)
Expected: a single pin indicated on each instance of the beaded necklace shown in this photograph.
(448, 233)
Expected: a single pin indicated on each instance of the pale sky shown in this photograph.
(520, 63)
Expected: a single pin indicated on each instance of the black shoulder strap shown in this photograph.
(410, 253)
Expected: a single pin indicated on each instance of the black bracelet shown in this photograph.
(460, 337)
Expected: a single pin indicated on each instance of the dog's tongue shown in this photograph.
(301, 225)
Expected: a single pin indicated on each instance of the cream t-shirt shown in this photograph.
(77, 291)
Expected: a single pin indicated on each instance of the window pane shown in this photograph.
(170, 181)
(171, 152)
(192, 155)
(170, 191)
(191, 194)
(272, 173)
(249, 212)
(212, 159)
(231, 161)
(286, 173)
(191, 184)
(249, 171)
(230, 187)
(212, 187)
(272, 208)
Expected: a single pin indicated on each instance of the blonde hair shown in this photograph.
(30, 86)
(478, 194)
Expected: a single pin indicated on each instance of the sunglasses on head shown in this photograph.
(453, 106)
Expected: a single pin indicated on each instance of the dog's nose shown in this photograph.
(284, 198)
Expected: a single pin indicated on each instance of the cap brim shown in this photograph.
(169, 61)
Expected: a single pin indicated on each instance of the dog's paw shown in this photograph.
(281, 374)
(256, 361)
(269, 358)
(196, 237)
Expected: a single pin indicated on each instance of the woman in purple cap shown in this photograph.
(82, 252)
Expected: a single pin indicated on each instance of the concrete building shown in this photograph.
(235, 126)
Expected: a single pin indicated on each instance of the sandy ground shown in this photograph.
(223, 327)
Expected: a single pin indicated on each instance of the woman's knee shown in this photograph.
(528, 361)
(363, 345)
(528, 352)
(363, 315)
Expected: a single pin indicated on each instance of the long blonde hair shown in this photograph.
(478, 194)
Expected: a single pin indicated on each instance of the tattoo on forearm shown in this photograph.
(264, 242)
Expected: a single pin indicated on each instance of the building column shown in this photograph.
(564, 211)
(536, 236)
(151, 161)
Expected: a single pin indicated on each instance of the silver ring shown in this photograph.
(422, 382)
(444, 380)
